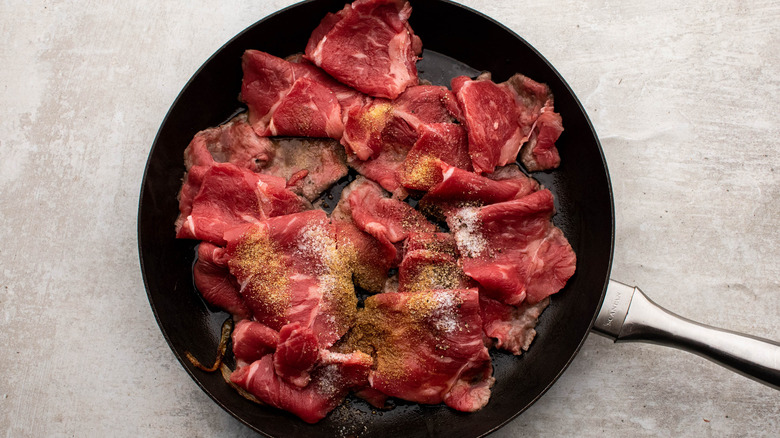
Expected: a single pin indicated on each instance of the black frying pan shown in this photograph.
(457, 41)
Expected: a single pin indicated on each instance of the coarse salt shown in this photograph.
(466, 224)
(445, 312)
(328, 382)
(315, 241)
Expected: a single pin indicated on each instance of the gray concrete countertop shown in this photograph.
(685, 97)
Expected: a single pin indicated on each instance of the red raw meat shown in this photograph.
(369, 46)
(190, 187)
(369, 260)
(503, 117)
(285, 99)
(330, 383)
(424, 269)
(375, 398)
(438, 242)
(531, 98)
(309, 165)
(253, 340)
(491, 116)
(381, 216)
(389, 220)
(428, 347)
(296, 354)
(229, 196)
(445, 142)
(310, 110)
(234, 142)
(512, 249)
(397, 121)
(458, 188)
(216, 285)
(291, 271)
(540, 124)
(363, 128)
(347, 96)
(540, 153)
(425, 104)
(430, 262)
(384, 169)
(512, 327)
(379, 136)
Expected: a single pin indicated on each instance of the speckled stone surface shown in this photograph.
(685, 97)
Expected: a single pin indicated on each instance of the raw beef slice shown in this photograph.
(369, 46)
(284, 100)
(491, 116)
(310, 165)
(330, 381)
(228, 196)
(458, 188)
(368, 259)
(214, 282)
(252, 340)
(540, 124)
(428, 347)
(503, 117)
(513, 250)
(290, 270)
(379, 121)
(430, 262)
(438, 142)
(388, 220)
(297, 352)
(388, 141)
(234, 142)
(540, 152)
(511, 327)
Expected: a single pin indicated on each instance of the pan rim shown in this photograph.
(259, 22)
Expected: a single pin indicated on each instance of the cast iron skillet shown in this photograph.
(457, 40)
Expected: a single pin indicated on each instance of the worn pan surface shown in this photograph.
(457, 40)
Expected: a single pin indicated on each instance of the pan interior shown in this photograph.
(457, 41)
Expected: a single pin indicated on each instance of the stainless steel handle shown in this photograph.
(628, 315)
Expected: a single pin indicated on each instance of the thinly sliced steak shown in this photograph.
(513, 250)
(368, 259)
(510, 328)
(491, 116)
(457, 188)
(540, 153)
(388, 220)
(310, 165)
(229, 196)
(369, 46)
(284, 99)
(428, 347)
(330, 382)
(214, 282)
(540, 124)
(438, 142)
(290, 270)
(253, 340)
(380, 135)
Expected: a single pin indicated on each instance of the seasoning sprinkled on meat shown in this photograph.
(256, 259)
(288, 273)
(425, 345)
(466, 227)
